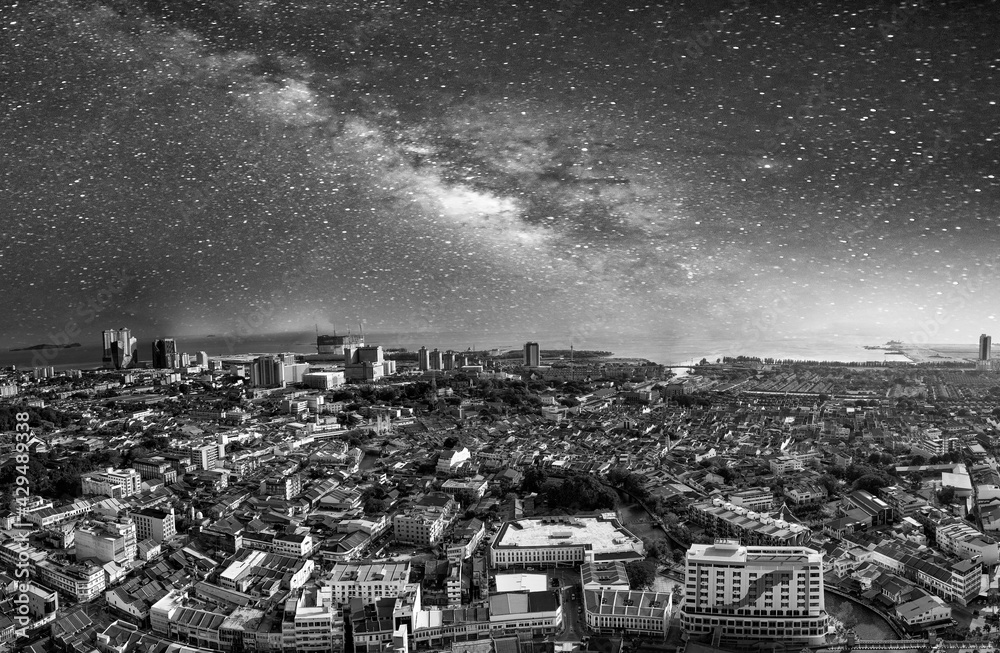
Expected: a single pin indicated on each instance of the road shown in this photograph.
(574, 622)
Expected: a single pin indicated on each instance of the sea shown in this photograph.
(662, 349)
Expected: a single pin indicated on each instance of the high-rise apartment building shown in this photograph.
(423, 359)
(265, 371)
(435, 360)
(532, 355)
(165, 354)
(275, 371)
(754, 594)
(985, 347)
(119, 348)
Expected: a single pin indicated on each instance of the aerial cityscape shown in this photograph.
(357, 497)
(598, 326)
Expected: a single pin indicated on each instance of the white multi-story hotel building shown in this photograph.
(754, 594)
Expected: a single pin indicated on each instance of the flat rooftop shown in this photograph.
(626, 603)
(602, 534)
(370, 572)
(521, 582)
(735, 553)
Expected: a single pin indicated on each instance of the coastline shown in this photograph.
(660, 349)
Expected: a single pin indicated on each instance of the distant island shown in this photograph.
(47, 346)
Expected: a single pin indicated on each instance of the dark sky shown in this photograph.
(689, 168)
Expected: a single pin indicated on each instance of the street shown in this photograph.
(574, 622)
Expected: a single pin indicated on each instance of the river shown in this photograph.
(869, 624)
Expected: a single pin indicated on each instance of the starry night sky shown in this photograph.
(695, 169)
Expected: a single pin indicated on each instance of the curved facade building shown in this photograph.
(119, 348)
(770, 595)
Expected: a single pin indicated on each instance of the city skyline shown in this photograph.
(746, 172)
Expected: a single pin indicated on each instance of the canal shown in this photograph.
(637, 520)
(867, 623)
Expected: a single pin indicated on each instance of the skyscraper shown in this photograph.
(165, 353)
(265, 372)
(423, 359)
(532, 354)
(119, 348)
(754, 594)
(275, 371)
(435, 360)
(985, 347)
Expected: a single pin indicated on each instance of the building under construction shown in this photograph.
(332, 348)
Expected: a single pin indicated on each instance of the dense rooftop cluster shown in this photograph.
(190, 505)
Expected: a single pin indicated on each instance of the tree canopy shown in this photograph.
(641, 574)
(581, 493)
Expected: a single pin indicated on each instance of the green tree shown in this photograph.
(872, 482)
(656, 548)
(617, 476)
(375, 506)
(534, 479)
(580, 492)
(641, 574)
(830, 483)
(677, 593)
